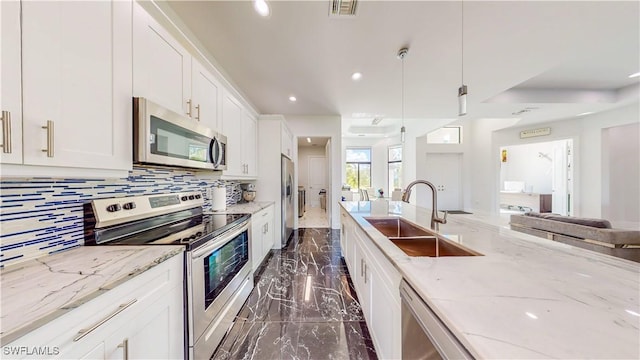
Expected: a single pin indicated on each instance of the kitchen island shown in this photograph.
(525, 297)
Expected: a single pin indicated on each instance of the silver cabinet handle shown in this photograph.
(50, 138)
(6, 132)
(189, 107)
(365, 273)
(84, 332)
(125, 349)
(361, 266)
(198, 112)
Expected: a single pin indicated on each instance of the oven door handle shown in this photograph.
(223, 239)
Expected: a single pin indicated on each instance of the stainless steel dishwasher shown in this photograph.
(424, 336)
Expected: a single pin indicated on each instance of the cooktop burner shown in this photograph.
(173, 219)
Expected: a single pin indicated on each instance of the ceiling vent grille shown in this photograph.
(343, 8)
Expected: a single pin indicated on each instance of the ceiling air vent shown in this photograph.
(343, 8)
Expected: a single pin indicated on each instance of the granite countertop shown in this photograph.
(246, 208)
(37, 291)
(527, 297)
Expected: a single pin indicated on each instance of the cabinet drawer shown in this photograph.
(89, 323)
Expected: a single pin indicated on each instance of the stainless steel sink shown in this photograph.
(415, 240)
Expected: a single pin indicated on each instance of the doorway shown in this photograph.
(313, 175)
(445, 172)
(537, 177)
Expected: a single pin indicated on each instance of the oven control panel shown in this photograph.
(115, 211)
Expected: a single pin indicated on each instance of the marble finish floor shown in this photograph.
(303, 306)
(314, 217)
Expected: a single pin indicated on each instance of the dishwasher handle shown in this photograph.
(447, 345)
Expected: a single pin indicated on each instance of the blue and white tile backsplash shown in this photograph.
(40, 216)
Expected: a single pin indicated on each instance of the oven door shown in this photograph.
(165, 138)
(217, 270)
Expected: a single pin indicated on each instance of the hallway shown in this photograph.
(314, 217)
(303, 306)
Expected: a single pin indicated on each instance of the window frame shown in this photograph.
(459, 127)
(358, 163)
(389, 161)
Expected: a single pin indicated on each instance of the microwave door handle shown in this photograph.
(215, 160)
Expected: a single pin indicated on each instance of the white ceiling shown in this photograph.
(559, 58)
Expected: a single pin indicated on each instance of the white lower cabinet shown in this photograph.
(262, 235)
(142, 318)
(377, 284)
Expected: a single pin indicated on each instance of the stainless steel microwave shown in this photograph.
(163, 137)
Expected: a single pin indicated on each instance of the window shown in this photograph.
(359, 168)
(395, 167)
(445, 135)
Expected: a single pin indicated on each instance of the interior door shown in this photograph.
(316, 180)
(445, 172)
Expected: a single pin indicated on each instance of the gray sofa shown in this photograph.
(592, 234)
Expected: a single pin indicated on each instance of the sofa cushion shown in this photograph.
(597, 223)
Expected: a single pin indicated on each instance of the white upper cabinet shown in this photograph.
(240, 128)
(232, 129)
(76, 83)
(287, 141)
(161, 66)
(10, 83)
(250, 139)
(206, 95)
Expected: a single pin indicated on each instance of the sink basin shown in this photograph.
(417, 241)
(398, 227)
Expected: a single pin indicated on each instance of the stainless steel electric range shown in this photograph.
(217, 260)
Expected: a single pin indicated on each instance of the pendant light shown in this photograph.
(402, 53)
(462, 90)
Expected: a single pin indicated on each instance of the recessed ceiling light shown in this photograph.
(308, 140)
(360, 134)
(585, 113)
(634, 75)
(292, 98)
(356, 76)
(261, 7)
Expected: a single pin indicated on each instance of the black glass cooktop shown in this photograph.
(172, 229)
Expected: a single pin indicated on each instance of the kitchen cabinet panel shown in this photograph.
(161, 66)
(240, 128)
(287, 141)
(10, 86)
(76, 84)
(232, 129)
(206, 94)
(262, 235)
(147, 310)
(250, 140)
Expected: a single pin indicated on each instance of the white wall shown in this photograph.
(525, 164)
(588, 165)
(621, 174)
(322, 126)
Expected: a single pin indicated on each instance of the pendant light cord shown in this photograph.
(462, 39)
(402, 92)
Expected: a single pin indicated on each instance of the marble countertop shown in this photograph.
(56, 284)
(527, 297)
(246, 208)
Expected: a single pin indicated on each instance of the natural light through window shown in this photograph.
(358, 168)
(395, 168)
(445, 135)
